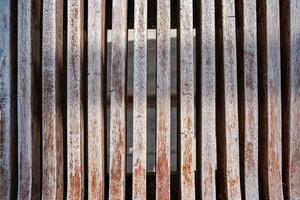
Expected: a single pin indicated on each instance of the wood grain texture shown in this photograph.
(250, 104)
(139, 184)
(7, 101)
(117, 171)
(232, 171)
(206, 99)
(294, 144)
(74, 100)
(187, 104)
(52, 130)
(163, 102)
(96, 98)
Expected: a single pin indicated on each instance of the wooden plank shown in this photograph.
(294, 143)
(117, 170)
(52, 130)
(163, 103)
(96, 98)
(250, 104)
(7, 101)
(232, 170)
(139, 184)
(206, 99)
(187, 104)
(74, 101)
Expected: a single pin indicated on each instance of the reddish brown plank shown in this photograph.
(232, 170)
(163, 103)
(52, 132)
(74, 101)
(206, 90)
(139, 174)
(186, 109)
(96, 98)
(250, 100)
(117, 171)
(294, 137)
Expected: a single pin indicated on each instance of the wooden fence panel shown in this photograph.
(163, 102)
(74, 100)
(117, 174)
(139, 184)
(96, 102)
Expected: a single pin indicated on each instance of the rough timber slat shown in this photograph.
(186, 92)
(117, 169)
(74, 102)
(163, 101)
(294, 137)
(52, 132)
(7, 101)
(231, 131)
(250, 87)
(96, 98)
(206, 99)
(139, 185)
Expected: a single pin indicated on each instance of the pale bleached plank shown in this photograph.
(294, 137)
(117, 171)
(251, 100)
(163, 102)
(74, 102)
(207, 101)
(273, 87)
(7, 100)
(139, 174)
(52, 130)
(232, 171)
(187, 104)
(96, 98)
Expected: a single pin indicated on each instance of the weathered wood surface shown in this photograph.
(231, 131)
(294, 131)
(74, 100)
(7, 100)
(206, 99)
(163, 101)
(52, 130)
(186, 96)
(250, 104)
(139, 171)
(96, 98)
(117, 169)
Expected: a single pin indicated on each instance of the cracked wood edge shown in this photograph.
(117, 175)
(232, 171)
(74, 101)
(139, 187)
(96, 98)
(52, 130)
(294, 143)
(186, 109)
(251, 100)
(163, 103)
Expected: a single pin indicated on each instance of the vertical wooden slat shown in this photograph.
(117, 172)
(140, 102)
(232, 178)
(273, 95)
(206, 89)
(52, 132)
(251, 100)
(96, 98)
(163, 103)
(294, 137)
(186, 109)
(74, 103)
(7, 100)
